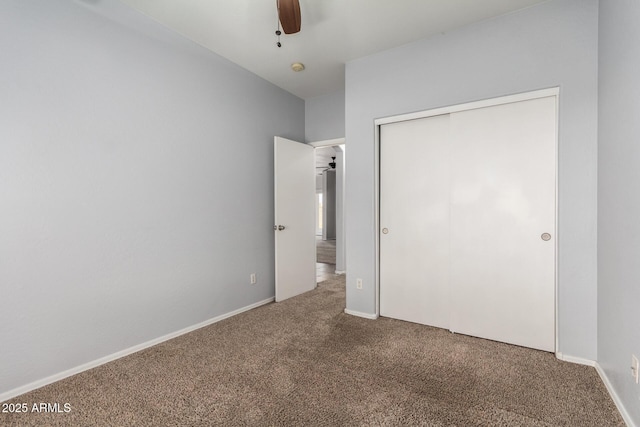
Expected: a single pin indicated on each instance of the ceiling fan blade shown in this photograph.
(289, 14)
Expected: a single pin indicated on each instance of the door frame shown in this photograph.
(339, 239)
(490, 102)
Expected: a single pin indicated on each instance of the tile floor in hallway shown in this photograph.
(325, 271)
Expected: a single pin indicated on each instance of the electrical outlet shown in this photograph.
(358, 283)
(253, 279)
(634, 367)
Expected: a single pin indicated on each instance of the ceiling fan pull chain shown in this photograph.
(278, 32)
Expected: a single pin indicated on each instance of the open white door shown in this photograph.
(294, 193)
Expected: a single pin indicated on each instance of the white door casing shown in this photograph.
(294, 228)
(497, 275)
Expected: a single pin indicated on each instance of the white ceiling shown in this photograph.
(333, 32)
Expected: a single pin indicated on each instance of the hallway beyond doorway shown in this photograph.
(325, 259)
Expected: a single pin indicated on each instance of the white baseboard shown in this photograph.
(95, 363)
(340, 272)
(360, 314)
(576, 360)
(614, 396)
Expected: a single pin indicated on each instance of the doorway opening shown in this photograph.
(330, 166)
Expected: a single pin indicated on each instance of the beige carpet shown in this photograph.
(305, 362)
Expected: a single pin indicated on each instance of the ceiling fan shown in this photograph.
(332, 165)
(289, 15)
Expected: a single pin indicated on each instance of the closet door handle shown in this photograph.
(545, 236)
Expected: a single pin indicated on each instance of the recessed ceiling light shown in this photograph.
(297, 66)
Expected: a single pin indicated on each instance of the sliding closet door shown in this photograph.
(503, 223)
(414, 221)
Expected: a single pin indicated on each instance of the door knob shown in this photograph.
(545, 236)
(385, 230)
(281, 227)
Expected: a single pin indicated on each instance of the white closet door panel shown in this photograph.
(502, 201)
(414, 221)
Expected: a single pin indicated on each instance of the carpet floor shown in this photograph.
(305, 362)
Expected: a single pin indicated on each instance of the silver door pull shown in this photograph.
(545, 236)
(385, 230)
(281, 227)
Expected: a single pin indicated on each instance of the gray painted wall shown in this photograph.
(324, 117)
(552, 44)
(131, 165)
(329, 204)
(619, 198)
